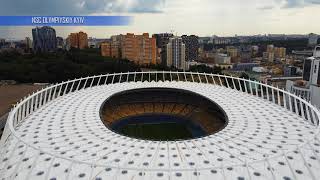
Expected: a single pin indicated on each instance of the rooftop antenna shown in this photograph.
(173, 32)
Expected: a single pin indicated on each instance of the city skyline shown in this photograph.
(207, 18)
(64, 34)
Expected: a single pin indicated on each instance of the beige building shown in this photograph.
(140, 49)
(280, 52)
(106, 49)
(78, 40)
(232, 52)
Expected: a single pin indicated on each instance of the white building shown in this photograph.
(222, 59)
(259, 69)
(310, 88)
(176, 53)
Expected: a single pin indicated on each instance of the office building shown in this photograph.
(44, 39)
(78, 40)
(192, 47)
(176, 56)
(140, 49)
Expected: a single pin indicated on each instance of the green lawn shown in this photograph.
(161, 131)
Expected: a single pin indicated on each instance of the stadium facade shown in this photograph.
(59, 133)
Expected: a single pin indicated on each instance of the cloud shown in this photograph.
(268, 7)
(300, 3)
(76, 7)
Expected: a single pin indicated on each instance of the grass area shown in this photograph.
(158, 131)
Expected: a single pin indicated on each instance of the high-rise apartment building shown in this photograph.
(275, 52)
(270, 57)
(116, 44)
(192, 47)
(106, 49)
(280, 52)
(176, 56)
(60, 43)
(78, 40)
(140, 49)
(44, 39)
(162, 41)
(270, 48)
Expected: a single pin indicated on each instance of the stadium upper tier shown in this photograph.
(57, 133)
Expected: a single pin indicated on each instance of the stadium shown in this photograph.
(161, 125)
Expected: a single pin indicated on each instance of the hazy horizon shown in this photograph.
(199, 17)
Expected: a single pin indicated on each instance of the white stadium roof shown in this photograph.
(270, 134)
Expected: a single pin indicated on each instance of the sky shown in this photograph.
(199, 17)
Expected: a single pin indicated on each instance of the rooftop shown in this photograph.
(65, 138)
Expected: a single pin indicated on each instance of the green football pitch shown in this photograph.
(157, 131)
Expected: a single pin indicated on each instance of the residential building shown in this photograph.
(270, 48)
(116, 43)
(280, 52)
(270, 57)
(161, 41)
(313, 39)
(254, 51)
(309, 88)
(290, 71)
(44, 39)
(244, 66)
(106, 49)
(2, 42)
(78, 40)
(176, 56)
(140, 49)
(222, 59)
(60, 43)
(28, 43)
(192, 47)
(232, 51)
